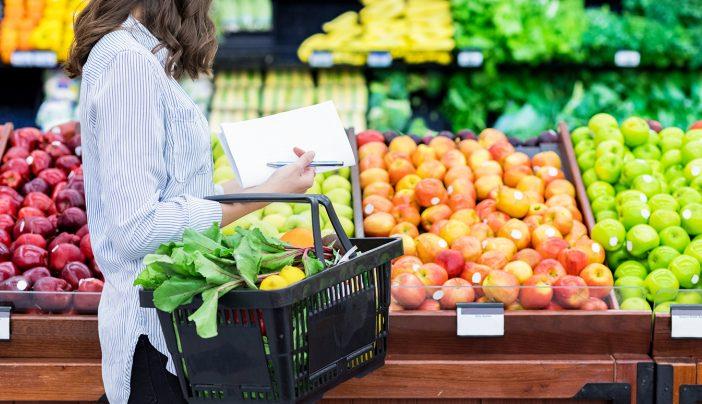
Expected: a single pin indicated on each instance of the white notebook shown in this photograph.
(251, 145)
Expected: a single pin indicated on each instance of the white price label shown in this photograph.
(627, 58)
(379, 59)
(480, 320)
(470, 58)
(321, 59)
(4, 323)
(41, 59)
(686, 321)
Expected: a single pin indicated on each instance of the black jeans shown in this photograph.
(151, 383)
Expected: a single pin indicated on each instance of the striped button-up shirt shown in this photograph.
(147, 164)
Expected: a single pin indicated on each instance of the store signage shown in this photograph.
(321, 59)
(686, 321)
(470, 58)
(40, 59)
(627, 58)
(480, 320)
(379, 59)
(4, 323)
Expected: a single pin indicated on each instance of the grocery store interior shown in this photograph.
(522, 222)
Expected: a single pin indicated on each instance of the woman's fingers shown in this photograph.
(298, 151)
(305, 159)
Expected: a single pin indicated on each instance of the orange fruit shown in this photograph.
(300, 238)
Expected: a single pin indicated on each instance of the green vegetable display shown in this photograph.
(212, 265)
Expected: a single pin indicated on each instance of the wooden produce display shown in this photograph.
(543, 355)
(678, 364)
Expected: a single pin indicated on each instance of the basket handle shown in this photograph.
(313, 200)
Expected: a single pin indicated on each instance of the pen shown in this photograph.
(278, 164)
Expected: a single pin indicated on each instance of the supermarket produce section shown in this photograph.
(524, 219)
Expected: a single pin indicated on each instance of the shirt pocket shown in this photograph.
(189, 144)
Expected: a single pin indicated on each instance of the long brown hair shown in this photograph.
(184, 27)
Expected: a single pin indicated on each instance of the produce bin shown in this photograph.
(543, 355)
(295, 343)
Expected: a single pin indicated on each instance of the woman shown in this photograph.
(147, 165)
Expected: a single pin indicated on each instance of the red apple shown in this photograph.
(599, 279)
(594, 304)
(536, 292)
(550, 267)
(573, 260)
(455, 291)
(408, 291)
(571, 291)
(452, 261)
(501, 286)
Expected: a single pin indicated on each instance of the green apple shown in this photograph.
(647, 184)
(268, 229)
(586, 160)
(277, 220)
(223, 161)
(585, 145)
(635, 131)
(663, 218)
(660, 257)
(299, 221)
(662, 202)
(617, 257)
(641, 239)
(315, 189)
(691, 136)
(606, 214)
(609, 134)
(693, 296)
(631, 268)
(694, 250)
(589, 177)
(319, 178)
(671, 158)
(692, 150)
(693, 169)
(630, 195)
(674, 172)
(604, 202)
(671, 135)
(677, 183)
(217, 151)
(692, 218)
(599, 188)
(687, 270)
(340, 196)
(335, 182)
(687, 195)
(634, 168)
(344, 172)
(635, 304)
(223, 174)
(300, 207)
(608, 168)
(343, 210)
(633, 213)
(348, 226)
(610, 234)
(601, 121)
(676, 237)
(662, 308)
(696, 184)
(653, 137)
(580, 134)
(662, 285)
(661, 180)
(620, 187)
(247, 220)
(647, 152)
(281, 208)
(609, 147)
(630, 286)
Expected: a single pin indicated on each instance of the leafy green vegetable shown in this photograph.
(212, 265)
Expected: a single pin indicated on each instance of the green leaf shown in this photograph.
(312, 265)
(176, 292)
(213, 273)
(167, 248)
(275, 262)
(168, 265)
(233, 240)
(213, 233)
(248, 263)
(205, 317)
(260, 242)
(194, 241)
(150, 278)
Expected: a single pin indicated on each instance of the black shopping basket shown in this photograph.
(294, 344)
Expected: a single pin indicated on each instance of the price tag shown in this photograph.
(321, 59)
(686, 321)
(627, 58)
(470, 58)
(379, 59)
(4, 323)
(480, 320)
(40, 59)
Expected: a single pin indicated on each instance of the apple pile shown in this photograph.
(644, 184)
(44, 239)
(479, 221)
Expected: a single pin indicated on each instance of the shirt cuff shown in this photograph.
(202, 213)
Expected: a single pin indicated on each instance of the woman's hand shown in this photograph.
(295, 178)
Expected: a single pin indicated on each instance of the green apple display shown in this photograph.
(662, 285)
(608, 168)
(661, 257)
(687, 270)
(692, 218)
(691, 150)
(686, 196)
(676, 237)
(635, 304)
(580, 135)
(641, 239)
(630, 286)
(633, 213)
(598, 189)
(604, 202)
(664, 218)
(611, 147)
(631, 268)
(586, 160)
(647, 152)
(630, 195)
(647, 184)
(635, 131)
(662, 201)
(693, 296)
(589, 177)
(610, 234)
(694, 249)
(634, 168)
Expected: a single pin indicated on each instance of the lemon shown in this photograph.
(274, 282)
(292, 274)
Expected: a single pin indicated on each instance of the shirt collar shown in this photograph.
(145, 38)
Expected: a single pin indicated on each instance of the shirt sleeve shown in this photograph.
(131, 139)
